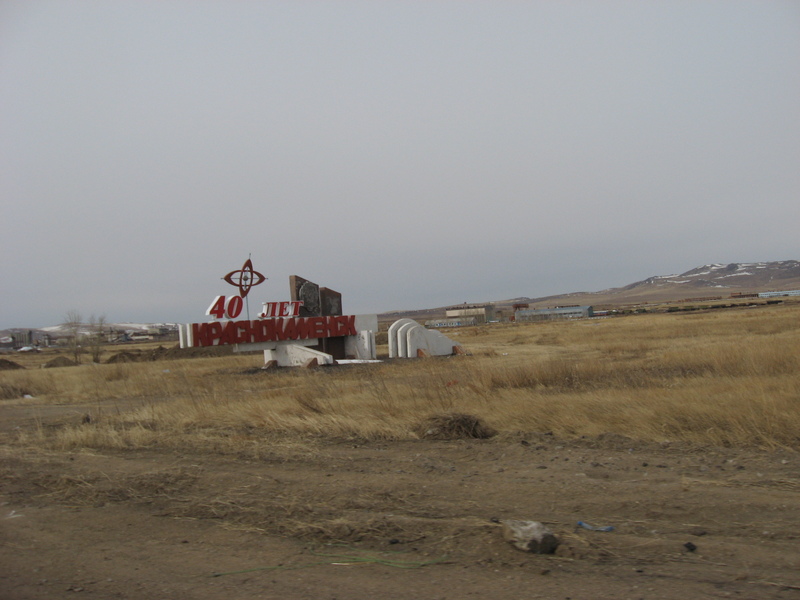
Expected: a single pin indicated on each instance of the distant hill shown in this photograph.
(701, 282)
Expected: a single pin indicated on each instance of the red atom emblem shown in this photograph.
(245, 278)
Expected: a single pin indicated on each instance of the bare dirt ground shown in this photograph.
(322, 519)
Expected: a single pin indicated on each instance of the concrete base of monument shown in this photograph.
(311, 352)
(293, 355)
(358, 361)
(313, 361)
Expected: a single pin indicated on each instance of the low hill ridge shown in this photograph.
(711, 280)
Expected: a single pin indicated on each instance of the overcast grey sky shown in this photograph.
(407, 154)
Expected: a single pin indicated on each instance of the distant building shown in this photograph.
(483, 313)
(779, 294)
(554, 314)
(453, 322)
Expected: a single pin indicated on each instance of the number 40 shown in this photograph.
(219, 309)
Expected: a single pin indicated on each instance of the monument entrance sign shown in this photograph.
(308, 329)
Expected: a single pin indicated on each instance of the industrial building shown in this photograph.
(554, 314)
(454, 322)
(779, 294)
(483, 313)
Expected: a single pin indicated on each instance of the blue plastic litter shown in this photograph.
(594, 527)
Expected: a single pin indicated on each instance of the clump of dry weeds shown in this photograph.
(456, 426)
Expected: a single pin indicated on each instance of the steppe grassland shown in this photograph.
(724, 377)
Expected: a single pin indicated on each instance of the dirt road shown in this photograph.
(409, 520)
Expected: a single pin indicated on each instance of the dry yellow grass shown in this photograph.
(720, 378)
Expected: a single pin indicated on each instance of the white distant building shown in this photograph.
(779, 294)
(452, 322)
(554, 314)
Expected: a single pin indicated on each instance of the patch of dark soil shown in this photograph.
(98, 488)
(174, 353)
(254, 371)
(158, 353)
(9, 365)
(123, 357)
(59, 361)
(177, 352)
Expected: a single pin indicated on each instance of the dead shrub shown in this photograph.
(10, 391)
(309, 403)
(117, 372)
(557, 374)
(456, 426)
